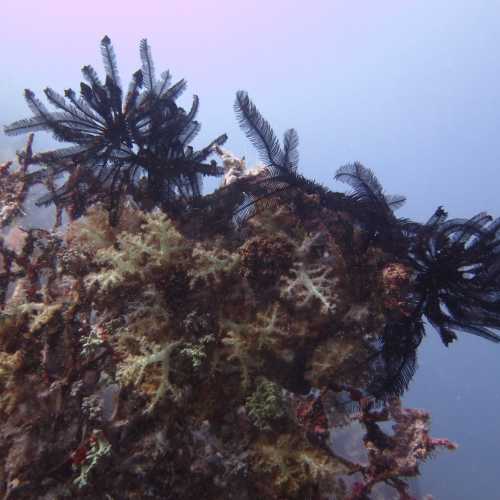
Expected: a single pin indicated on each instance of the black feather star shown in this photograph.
(395, 362)
(280, 174)
(367, 188)
(457, 266)
(373, 209)
(136, 144)
(260, 133)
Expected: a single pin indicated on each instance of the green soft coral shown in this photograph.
(196, 353)
(209, 265)
(266, 405)
(132, 370)
(99, 448)
(139, 256)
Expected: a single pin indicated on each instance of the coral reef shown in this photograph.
(211, 350)
(112, 335)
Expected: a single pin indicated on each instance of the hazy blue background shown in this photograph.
(409, 88)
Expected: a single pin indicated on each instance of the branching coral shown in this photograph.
(97, 450)
(155, 247)
(234, 167)
(211, 265)
(239, 341)
(14, 186)
(392, 458)
(93, 341)
(196, 353)
(133, 371)
(294, 467)
(248, 341)
(308, 285)
(337, 360)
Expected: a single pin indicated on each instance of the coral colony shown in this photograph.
(168, 344)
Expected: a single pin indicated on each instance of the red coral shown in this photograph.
(80, 454)
(394, 456)
(395, 276)
(395, 281)
(311, 416)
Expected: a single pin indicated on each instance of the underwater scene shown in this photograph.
(232, 313)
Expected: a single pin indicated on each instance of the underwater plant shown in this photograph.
(136, 144)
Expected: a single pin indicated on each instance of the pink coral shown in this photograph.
(394, 456)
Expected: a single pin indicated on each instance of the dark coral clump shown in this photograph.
(264, 260)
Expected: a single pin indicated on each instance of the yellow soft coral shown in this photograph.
(132, 370)
(94, 232)
(292, 464)
(9, 364)
(246, 341)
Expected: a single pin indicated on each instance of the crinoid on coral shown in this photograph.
(171, 353)
(373, 209)
(279, 175)
(136, 144)
(457, 266)
(278, 178)
(393, 360)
